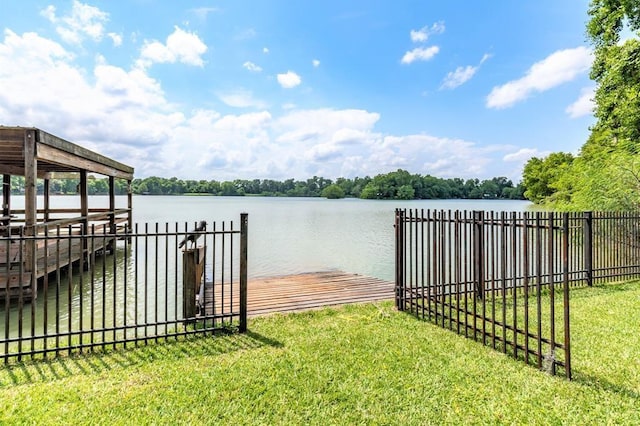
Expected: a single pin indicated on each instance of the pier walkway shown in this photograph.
(302, 292)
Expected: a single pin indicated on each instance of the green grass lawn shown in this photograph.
(364, 364)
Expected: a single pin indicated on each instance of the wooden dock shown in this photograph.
(52, 254)
(302, 292)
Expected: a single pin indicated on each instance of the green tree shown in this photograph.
(405, 192)
(333, 191)
(541, 177)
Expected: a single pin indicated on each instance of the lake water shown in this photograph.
(294, 235)
(286, 236)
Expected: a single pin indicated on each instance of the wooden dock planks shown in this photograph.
(52, 254)
(300, 292)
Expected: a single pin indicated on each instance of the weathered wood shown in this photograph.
(6, 195)
(30, 203)
(130, 205)
(19, 170)
(54, 155)
(298, 292)
(30, 177)
(76, 151)
(57, 254)
(84, 213)
(192, 272)
(47, 200)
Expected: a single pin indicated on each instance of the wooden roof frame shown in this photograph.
(34, 153)
(24, 147)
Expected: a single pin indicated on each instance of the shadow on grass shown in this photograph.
(600, 382)
(603, 288)
(101, 360)
(603, 384)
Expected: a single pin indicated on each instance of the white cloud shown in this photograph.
(116, 112)
(241, 98)
(125, 114)
(316, 63)
(458, 77)
(116, 38)
(420, 54)
(462, 74)
(584, 105)
(252, 67)
(49, 13)
(422, 35)
(265, 50)
(289, 80)
(84, 21)
(181, 46)
(558, 68)
(524, 154)
(520, 157)
(203, 12)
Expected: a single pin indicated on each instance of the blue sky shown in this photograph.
(281, 88)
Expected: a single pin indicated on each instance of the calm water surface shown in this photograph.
(294, 235)
(286, 236)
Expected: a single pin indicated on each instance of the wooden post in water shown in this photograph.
(6, 195)
(84, 212)
(129, 207)
(47, 199)
(112, 215)
(30, 207)
(192, 273)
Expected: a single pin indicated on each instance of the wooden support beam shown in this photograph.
(31, 205)
(62, 147)
(84, 212)
(6, 195)
(30, 179)
(47, 205)
(54, 155)
(130, 205)
(112, 209)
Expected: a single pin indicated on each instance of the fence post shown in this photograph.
(478, 253)
(399, 225)
(587, 242)
(565, 291)
(244, 229)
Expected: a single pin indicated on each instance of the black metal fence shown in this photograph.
(504, 278)
(67, 290)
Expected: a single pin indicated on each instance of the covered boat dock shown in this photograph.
(28, 234)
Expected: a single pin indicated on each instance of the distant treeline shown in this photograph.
(395, 185)
(398, 185)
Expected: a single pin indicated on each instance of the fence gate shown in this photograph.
(499, 278)
(94, 288)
